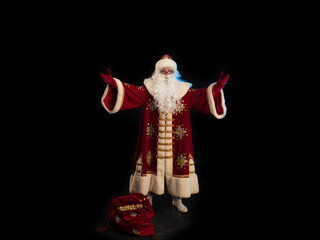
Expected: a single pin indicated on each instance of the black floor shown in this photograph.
(171, 224)
(168, 222)
(222, 210)
(225, 212)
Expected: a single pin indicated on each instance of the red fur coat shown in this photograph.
(164, 150)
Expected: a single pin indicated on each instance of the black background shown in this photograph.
(92, 151)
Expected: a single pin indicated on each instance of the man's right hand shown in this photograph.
(108, 78)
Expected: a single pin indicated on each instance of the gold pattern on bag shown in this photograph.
(117, 218)
(133, 214)
(135, 232)
(130, 207)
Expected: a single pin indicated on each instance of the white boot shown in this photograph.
(177, 202)
(149, 196)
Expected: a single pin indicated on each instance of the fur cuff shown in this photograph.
(212, 105)
(120, 97)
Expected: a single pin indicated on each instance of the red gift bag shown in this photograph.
(131, 214)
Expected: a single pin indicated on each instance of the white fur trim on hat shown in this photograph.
(166, 63)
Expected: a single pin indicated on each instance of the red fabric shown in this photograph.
(111, 98)
(220, 84)
(218, 104)
(134, 96)
(147, 143)
(216, 92)
(131, 214)
(108, 78)
(166, 56)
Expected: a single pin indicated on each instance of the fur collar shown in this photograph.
(183, 87)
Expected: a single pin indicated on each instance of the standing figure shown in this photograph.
(164, 154)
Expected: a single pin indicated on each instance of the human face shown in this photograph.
(166, 71)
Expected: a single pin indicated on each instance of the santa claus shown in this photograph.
(164, 154)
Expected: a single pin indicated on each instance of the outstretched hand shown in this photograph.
(220, 84)
(108, 78)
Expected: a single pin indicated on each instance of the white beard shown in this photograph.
(165, 92)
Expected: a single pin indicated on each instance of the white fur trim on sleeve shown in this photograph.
(120, 97)
(212, 105)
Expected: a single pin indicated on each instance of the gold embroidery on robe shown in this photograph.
(181, 161)
(192, 169)
(151, 105)
(149, 158)
(151, 131)
(180, 132)
(139, 164)
(180, 176)
(180, 107)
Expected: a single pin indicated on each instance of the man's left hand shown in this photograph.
(220, 84)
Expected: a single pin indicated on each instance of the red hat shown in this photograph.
(166, 61)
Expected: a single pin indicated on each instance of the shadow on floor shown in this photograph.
(168, 222)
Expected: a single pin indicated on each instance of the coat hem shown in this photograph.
(178, 187)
